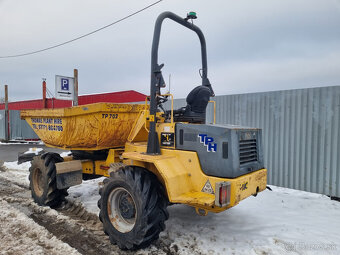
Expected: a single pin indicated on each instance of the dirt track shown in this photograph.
(271, 223)
(70, 223)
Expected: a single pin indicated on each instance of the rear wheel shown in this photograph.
(42, 179)
(132, 208)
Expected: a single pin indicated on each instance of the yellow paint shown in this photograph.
(99, 170)
(140, 129)
(123, 129)
(181, 174)
(114, 156)
(88, 167)
(152, 118)
(87, 127)
(95, 167)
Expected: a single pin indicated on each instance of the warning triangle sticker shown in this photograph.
(208, 188)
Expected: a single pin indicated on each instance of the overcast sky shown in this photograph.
(252, 45)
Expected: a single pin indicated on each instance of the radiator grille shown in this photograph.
(248, 151)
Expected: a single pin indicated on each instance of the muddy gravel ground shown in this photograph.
(280, 221)
(47, 230)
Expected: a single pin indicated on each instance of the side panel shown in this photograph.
(223, 151)
(69, 173)
(88, 127)
(184, 180)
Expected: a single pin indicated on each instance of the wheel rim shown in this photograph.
(38, 182)
(121, 209)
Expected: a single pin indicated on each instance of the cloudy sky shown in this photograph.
(252, 45)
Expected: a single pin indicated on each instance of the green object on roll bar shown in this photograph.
(192, 15)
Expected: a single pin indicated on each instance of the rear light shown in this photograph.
(222, 194)
(102, 167)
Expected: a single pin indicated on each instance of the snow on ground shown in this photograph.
(272, 223)
(21, 142)
(275, 222)
(9, 143)
(17, 173)
(21, 235)
(34, 150)
(87, 193)
(65, 153)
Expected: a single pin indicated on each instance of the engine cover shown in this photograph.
(226, 151)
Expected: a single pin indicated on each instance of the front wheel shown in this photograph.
(132, 208)
(42, 179)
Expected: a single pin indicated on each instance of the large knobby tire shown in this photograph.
(132, 207)
(43, 183)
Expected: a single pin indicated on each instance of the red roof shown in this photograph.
(113, 97)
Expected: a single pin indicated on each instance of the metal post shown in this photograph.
(6, 114)
(75, 75)
(44, 94)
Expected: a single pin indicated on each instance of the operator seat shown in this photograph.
(197, 101)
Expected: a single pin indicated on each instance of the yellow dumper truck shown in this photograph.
(151, 157)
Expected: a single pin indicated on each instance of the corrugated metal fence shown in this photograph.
(301, 134)
(2, 125)
(18, 129)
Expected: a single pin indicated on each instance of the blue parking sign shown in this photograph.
(65, 84)
(64, 87)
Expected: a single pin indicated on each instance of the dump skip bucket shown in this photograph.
(87, 127)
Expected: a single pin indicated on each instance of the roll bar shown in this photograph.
(156, 74)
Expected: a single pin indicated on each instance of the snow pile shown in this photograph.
(34, 150)
(65, 154)
(2, 143)
(21, 235)
(87, 193)
(14, 166)
(272, 223)
(275, 222)
(17, 173)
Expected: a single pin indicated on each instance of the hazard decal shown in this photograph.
(167, 139)
(208, 188)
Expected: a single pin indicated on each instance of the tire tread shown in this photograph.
(51, 196)
(154, 203)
